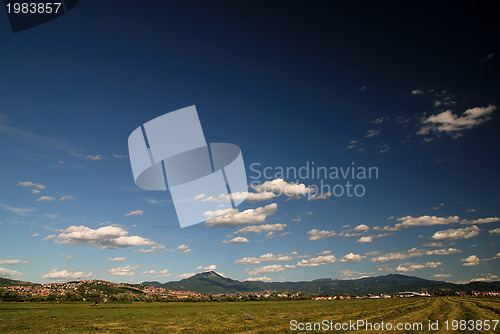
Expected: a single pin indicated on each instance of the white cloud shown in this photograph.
(13, 262)
(211, 267)
(281, 187)
(157, 274)
(469, 261)
(236, 240)
(104, 237)
(315, 234)
(274, 268)
(433, 244)
(135, 213)
(119, 156)
(269, 257)
(495, 231)
(459, 233)
(406, 267)
(350, 273)
(186, 275)
(324, 252)
(260, 228)
(64, 274)
(253, 197)
(351, 257)
(453, 124)
(45, 199)
(31, 184)
(442, 275)
(362, 227)
(35, 235)
(35, 191)
(409, 221)
(316, 261)
(258, 279)
(319, 196)
(417, 92)
(233, 217)
(182, 247)
(94, 157)
(414, 252)
(372, 133)
(4, 272)
(65, 197)
(122, 271)
(154, 248)
(486, 278)
(364, 240)
(116, 259)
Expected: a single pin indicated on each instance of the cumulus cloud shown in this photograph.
(414, 252)
(265, 228)
(236, 240)
(122, 271)
(186, 275)
(157, 274)
(364, 240)
(350, 273)
(453, 124)
(253, 197)
(409, 221)
(319, 196)
(182, 247)
(233, 217)
(486, 278)
(495, 231)
(65, 197)
(281, 187)
(269, 257)
(31, 184)
(4, 272)
(406, 267)
(315, 234)
(135, 213)
(258, 279)
(417, 92)
(442, 275)
(316, 261)
(13, 262)
(116, 259)
(351, 257)
(64, 274)
(459, 233)
(45, 199)
(274, 268)
(362, 228)
(469, 261)
(104, 237)
(35, 235)
(210, 267)
(94, 157)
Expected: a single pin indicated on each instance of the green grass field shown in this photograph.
(240, 317)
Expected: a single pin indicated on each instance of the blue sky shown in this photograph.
(410, 91)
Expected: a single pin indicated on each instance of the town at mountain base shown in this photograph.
(211, 286)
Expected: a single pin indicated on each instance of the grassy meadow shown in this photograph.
(240, 317)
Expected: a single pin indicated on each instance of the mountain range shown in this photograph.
(214, 283)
